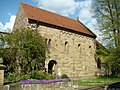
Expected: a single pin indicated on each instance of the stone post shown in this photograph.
(1, 73)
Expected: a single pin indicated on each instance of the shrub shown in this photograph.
(10, 77)
(38, 75)
(41, 75)
(64, 76)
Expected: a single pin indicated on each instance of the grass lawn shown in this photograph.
(100, 81)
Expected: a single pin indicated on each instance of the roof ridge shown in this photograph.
(49, 11)
(35, 13)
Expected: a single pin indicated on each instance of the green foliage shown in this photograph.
(10, 77)
(101, 50)
(64, 76)
(107, 14)
(38, 75)
(113, 60)
(26, 52)
(101, 81)
(1, 42)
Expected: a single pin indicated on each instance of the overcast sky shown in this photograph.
(69, 8)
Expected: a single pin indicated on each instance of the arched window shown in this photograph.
(79, 49)
(90, 49)
(78, 45)
(66, 43)
(89, 46)
(49, 42)
(66, 47)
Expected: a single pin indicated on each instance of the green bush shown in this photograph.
(10, 77)
(40, 75)
(37, 75)
(64, 76)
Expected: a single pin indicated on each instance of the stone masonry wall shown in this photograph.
(21, 20)
(75, 58)
(47, 86)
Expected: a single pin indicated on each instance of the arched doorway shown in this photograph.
(50, 65)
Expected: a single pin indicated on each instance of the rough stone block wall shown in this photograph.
(21, 20)
(47, 86)
(76, 58)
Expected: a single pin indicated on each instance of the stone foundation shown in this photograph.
(49, 86)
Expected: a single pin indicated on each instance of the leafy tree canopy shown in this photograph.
(26, 51)
(107, 13)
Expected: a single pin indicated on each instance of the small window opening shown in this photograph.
(66, 43)
(66, 47)
(49, 42)
(90, 49)
(89, 46)
(78, 45)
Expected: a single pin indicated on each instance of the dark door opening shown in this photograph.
(99, 63)
(50, 66)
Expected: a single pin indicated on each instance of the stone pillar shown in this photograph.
(1, 73)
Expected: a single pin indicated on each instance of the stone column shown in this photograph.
(1, 73)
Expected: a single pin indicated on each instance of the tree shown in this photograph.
(113, 61)
(107, 13)
(26, 51)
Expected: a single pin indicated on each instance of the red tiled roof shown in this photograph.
(35, 13)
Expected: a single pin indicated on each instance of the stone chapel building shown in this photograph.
(72, 45)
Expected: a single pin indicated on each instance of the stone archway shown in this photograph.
(50, 65)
